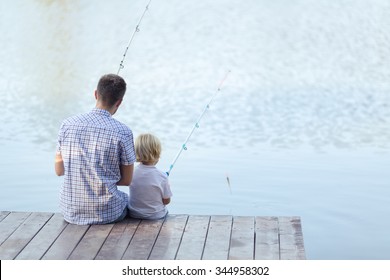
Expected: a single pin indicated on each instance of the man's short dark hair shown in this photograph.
(111, 88)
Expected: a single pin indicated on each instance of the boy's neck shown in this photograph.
(149, 163)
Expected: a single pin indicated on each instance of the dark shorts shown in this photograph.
(122, 216)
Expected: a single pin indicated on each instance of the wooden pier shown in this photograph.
(46, 236)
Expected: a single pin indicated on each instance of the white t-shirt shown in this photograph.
(147, 189)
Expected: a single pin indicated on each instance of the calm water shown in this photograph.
(301, 126)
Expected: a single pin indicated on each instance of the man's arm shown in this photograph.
(59, 165)
(126, 175)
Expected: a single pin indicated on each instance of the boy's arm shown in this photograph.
(59, 165)
(166, 201)
(166, 192)
(126, 175)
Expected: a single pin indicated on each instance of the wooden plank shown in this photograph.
(143, 240)
(37, 247)
(169, 239)
(25, 235)
(242, 241)
(22, 235)
(218, 238)
(291, 239)
(267, 238)
(92, 241)
(194, 238)
(66, 242)
(3, 214)
(117, 241)
(10, 223)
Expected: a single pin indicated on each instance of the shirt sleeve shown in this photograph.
(127, 156)
(59, 140)
(166, 189)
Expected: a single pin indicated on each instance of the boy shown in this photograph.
(149, 190)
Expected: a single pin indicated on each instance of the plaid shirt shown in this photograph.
(93, 146)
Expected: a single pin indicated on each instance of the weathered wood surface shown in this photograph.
(267, 238)
(218, 238)
(32, 236)
(242, 239)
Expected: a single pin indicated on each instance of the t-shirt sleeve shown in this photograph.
(166, 189)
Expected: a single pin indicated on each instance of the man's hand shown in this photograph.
(59, 165)
(126, 175)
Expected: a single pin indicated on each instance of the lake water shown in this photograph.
(300, 127)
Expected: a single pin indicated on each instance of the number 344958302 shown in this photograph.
(235, 270)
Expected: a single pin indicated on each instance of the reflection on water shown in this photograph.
(307, 77)
(317, 79)
(39, 67)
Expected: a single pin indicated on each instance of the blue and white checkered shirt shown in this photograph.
(93, 146)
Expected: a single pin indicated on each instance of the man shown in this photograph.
(95, 153)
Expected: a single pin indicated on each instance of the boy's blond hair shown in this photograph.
(147, 148)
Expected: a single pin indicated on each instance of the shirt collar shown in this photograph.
(146, 166)
(101, 112)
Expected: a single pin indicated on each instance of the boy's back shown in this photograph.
(148, 187)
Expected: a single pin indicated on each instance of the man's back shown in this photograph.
(93, 146)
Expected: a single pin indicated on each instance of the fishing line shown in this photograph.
(196, 125)
(121, 65)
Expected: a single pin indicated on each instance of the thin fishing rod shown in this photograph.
(121, 65)
(196, 125)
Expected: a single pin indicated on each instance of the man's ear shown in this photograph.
(119, 102)
(96, 95)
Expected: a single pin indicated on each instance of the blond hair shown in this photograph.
(147, 148)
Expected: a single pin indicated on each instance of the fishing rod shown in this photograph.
(121, 65)
(196, 125)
